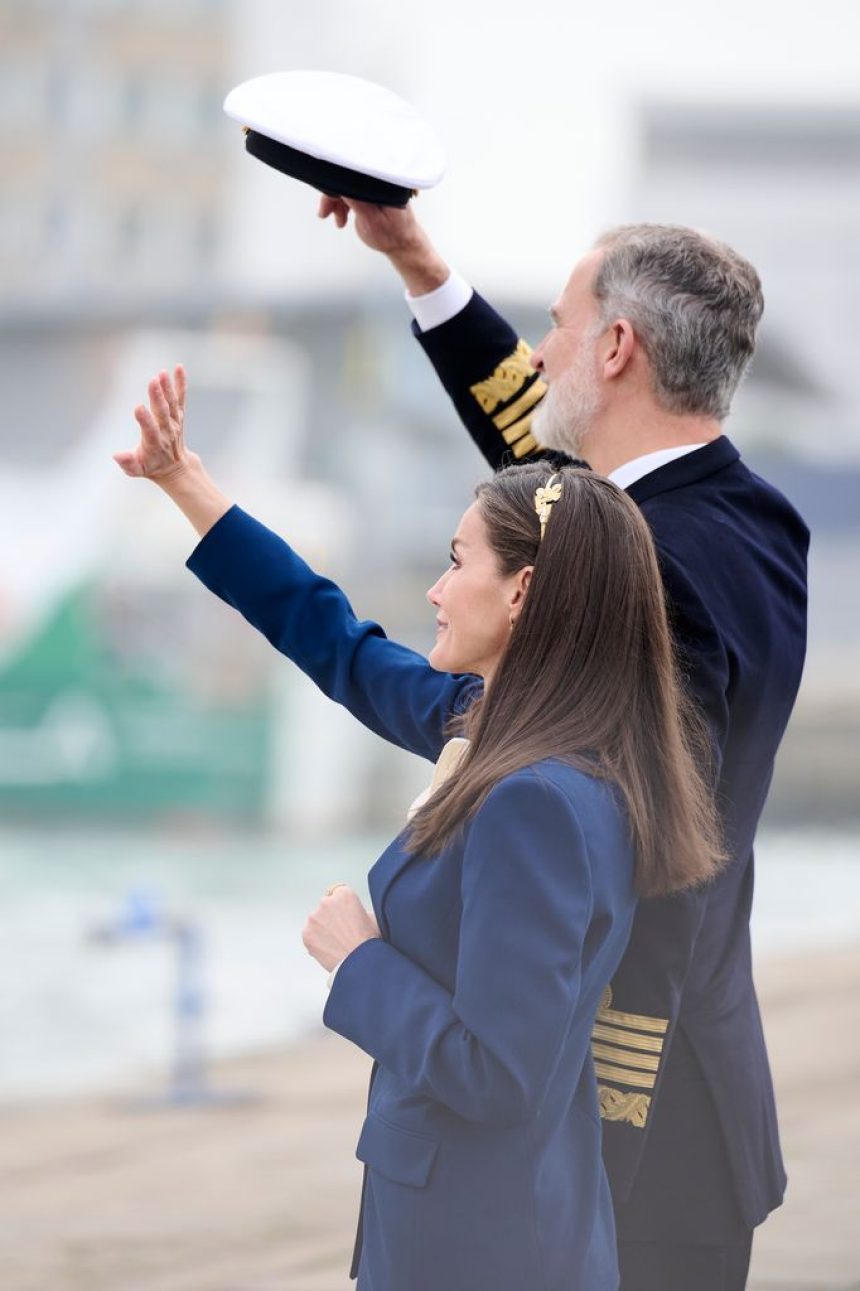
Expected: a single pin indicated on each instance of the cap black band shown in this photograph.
(335, 181)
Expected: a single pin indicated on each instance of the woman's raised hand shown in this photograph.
(161, 455)
(161, 452)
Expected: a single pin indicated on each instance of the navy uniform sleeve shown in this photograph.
(636, 1022)
(485, 368)
(390, 689)
(488, 1050)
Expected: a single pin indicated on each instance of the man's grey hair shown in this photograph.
(694, 305)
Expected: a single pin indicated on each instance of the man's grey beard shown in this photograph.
(569, 407)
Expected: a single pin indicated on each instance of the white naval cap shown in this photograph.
(343, 135)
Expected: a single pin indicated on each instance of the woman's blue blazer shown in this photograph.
(482, 1138)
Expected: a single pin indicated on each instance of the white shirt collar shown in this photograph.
(632, 471)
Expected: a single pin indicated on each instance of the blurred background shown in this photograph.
(157, 760)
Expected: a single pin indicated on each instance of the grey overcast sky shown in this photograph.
(536, 104)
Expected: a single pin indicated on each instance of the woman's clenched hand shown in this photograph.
(339, 924)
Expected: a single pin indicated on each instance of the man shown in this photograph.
(651, 336)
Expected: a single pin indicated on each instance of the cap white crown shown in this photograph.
(344, 120)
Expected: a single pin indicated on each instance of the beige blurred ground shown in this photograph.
(264, 1197)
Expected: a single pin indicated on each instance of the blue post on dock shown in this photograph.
(142, 918)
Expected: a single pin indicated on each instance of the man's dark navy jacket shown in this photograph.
(690, 1134)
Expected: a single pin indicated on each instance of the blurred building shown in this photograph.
(111, 154)
(135, 231)
(782, 184)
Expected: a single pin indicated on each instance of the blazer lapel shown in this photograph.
(392, 862)
(396, 856)
(688, 469)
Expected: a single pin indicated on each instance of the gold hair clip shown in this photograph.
(544, 498)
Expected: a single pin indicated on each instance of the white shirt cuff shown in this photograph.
(437, 307)
(330, 979)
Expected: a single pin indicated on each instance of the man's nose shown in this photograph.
(536, 357)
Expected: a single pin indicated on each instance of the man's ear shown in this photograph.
(620, 344)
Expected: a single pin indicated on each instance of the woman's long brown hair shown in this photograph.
(588, 677)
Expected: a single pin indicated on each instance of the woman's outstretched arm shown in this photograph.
(389, 688)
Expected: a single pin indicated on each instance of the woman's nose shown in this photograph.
(434, 594)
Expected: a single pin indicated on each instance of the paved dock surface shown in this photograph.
(263, 1197)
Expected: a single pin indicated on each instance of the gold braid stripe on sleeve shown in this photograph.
(642, 1061)
(507, 380)
(624, 1076)
(630, 1039)
(528, 444)
(637, 1021)
(505, 419)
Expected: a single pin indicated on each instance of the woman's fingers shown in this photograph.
(129, 462)
(339, 924)
(161, 447)
(159, 405)
(155, 450)
(150, 431)
(170, 395)
(180, 383)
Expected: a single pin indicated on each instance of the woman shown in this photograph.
(503, 908)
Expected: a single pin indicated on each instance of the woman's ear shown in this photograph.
(520, 587)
